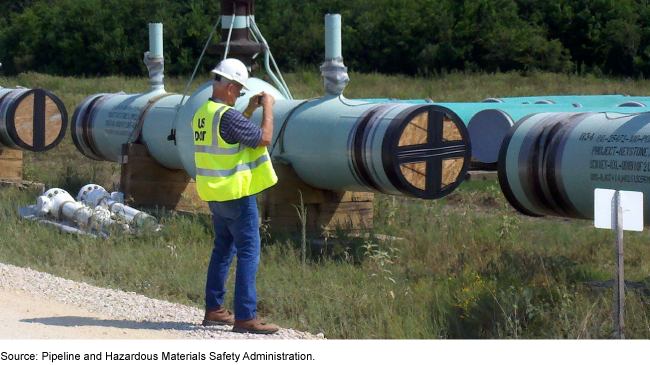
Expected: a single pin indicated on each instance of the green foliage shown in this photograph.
(102, 37)
(105, 37)
(599, 35)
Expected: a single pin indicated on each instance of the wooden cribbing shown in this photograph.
(326, 209)
(147, 184)
(11, 164)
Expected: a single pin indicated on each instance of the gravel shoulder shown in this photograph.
(38, 305)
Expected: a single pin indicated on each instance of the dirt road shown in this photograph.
(27, 317)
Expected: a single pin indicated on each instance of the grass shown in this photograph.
(465, 266)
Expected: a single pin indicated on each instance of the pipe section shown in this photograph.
(102, 123)
(156, 39)
(332, 143)
(333, 36)
(580, 100)
(550, 163)
(489, 122)
(489, 127)
(421, 151)
(31, 119)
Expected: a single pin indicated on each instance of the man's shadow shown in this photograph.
(76, 321)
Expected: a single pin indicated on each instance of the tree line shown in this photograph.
(413, 37)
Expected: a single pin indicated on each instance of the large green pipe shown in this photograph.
(577, 100)
(488, 127)
(332, 143)
(488, 123)
(344, 145)
(550, 163)
(102, 123)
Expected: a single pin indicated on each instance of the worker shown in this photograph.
(232, 165)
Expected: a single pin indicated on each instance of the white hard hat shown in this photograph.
(233, 70)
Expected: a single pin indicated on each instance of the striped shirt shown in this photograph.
(235, 128)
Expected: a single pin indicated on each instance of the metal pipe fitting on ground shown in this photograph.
(62, 206)
(96, 196)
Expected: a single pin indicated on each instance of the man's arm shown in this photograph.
(267, 116)
(267, 120)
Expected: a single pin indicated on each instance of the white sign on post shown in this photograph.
(631, 202)
(619, 210)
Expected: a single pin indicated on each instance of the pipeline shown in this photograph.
(576, 100)
(489, 122)
(332, 143)
(550, 163)
(31, 119)
(489, 127)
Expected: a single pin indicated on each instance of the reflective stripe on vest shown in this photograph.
(226, 171)
(236, 169)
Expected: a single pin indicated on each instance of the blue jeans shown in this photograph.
(236, 228)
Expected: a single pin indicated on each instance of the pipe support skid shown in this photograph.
(550, 163)
(31, 119)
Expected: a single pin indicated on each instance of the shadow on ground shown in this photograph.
(76, 321)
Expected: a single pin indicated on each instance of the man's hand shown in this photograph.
(258, 100)
(267, 100)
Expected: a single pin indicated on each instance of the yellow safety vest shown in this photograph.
(226, 171)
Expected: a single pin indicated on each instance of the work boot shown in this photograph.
(218, 316)
(255, 325)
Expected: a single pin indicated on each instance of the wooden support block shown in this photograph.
(481, 175)
(11, 165)
(147, 184)
(326, 209)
